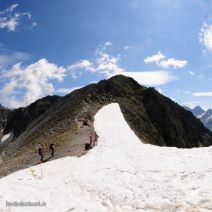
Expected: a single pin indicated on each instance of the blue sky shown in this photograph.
(50, 47)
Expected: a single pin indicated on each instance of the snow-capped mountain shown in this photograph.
(120, 174)
(204, 116)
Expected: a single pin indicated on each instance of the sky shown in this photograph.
(54, 47)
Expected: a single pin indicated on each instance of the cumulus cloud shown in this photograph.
(108, 66)
(203, 94)
(22, 85)
(151, 78)
(10, 20)
(102, 63)
(77, 68)
(172, 63)
(155, 58)
(205, 36)
(32, 82)
(160, 60)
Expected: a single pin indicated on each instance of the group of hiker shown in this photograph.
(89, 145)
(40, 151)
(92, 137)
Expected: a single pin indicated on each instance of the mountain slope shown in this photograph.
(204, 116)
(119, 174)
(154, 118)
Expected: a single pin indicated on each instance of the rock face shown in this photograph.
(20, 119)
(154, 118)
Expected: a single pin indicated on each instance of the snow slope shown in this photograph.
(120, 174)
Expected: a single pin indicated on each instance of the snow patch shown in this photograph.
(209, 118)
(201, 115)
(6, 137)
(120, 174)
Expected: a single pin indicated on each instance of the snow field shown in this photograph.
(120, 174)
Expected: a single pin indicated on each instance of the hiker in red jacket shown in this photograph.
(40, 152)
(91, 139)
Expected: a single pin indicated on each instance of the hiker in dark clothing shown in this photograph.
(40, 152)
(95, 139)
(88, 146)
(51, 147)
(85, 122)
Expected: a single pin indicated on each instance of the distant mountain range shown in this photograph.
(204, 116)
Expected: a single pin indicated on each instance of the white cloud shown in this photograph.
(191, 104)
(9, 9)
(160, 61)
(191, 73)
(23, 85)
(67, 90)
(10, 20)
(126, 47)
(108, 65)
(205, 36)
(203, 94)
(173, 99)
(103, 63)
(80, 66)
(108, 43)
(154, 58)
(12, 7)
(8, 58)
(34, 24)
(33, 81)
(159, 90)
(172, 63)
(186, 92)
(151, 78)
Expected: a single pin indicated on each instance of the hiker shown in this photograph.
(88, 146)
(40, 152)
(95, 139)
(51, 147)
(85, 122)
(91, 139)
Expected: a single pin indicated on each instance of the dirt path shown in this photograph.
(74, 147)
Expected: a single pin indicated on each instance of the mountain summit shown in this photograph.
(153, 117)
(204, 116)
(198, 111)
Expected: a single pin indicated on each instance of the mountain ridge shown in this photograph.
(153, 117)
